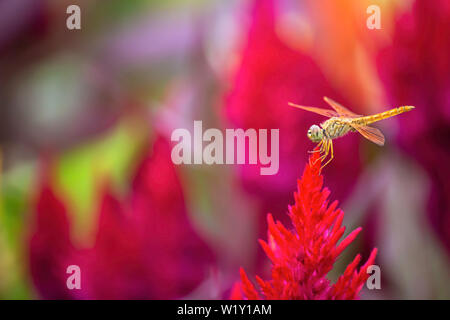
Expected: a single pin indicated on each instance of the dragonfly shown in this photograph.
(342, 121)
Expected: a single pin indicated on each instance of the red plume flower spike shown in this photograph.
(301, 258)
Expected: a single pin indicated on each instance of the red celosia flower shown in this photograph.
(301, 258)
(145, 247)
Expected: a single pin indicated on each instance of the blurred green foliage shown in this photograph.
(77, 172)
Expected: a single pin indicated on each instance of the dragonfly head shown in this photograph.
(315, 133)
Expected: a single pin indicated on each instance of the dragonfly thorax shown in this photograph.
(337, 127)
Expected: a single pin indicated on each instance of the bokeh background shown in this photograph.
(86, 118)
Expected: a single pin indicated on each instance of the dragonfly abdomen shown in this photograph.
(382, 115)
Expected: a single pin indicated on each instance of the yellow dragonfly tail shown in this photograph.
(382, 115)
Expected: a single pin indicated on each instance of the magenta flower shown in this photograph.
(145, 246)
(270, 75)
(414, 70)
(51, 250)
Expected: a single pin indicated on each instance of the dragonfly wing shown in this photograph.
(343, 111)
(323, 112)
(371, 133)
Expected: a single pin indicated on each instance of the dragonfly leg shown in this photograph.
(318, 148)
(330, 145)
(324, 149)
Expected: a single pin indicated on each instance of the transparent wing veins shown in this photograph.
(323, 112)
(340, 109)
(371, 134)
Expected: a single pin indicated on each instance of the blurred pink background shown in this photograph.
(86, 118)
